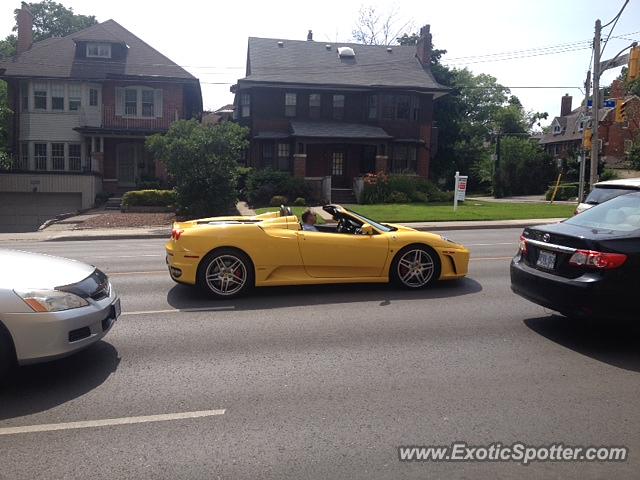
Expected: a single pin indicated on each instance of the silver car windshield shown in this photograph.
(620, 214)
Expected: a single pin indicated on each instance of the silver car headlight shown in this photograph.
(51, 300)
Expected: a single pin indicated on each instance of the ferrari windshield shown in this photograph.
(376, 225)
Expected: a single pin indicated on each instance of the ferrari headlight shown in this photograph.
(51, 300)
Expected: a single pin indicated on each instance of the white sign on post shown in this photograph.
(460, 189)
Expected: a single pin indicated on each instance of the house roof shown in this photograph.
(336, 130)
(570, 125)
(56, 58)
(318, 63)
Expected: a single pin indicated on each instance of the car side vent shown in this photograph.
(79, 334)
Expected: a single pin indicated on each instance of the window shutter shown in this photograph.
(157, 102)
(119, 101)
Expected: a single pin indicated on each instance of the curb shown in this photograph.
(523, 224)
(114, 236)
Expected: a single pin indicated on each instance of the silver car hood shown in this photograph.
(34, 270)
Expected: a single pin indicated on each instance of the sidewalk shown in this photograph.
(165, 232)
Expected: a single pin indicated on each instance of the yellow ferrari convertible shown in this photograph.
(227, 256)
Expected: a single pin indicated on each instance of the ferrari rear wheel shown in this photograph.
(226, 273)
(415, 266)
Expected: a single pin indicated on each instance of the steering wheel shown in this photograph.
(285, 211)
(346, 226)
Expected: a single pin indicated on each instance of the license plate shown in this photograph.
(546, 260)
(116, 309)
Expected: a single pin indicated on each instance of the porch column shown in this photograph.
(382, 163)
(300, 165)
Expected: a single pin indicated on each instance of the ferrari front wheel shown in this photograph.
(226, 273)
(415, 266)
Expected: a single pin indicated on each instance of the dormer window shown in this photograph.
(557, 129)
(98, 50)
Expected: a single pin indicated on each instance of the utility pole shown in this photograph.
(497, 185)
(583, 153)
(595, 108)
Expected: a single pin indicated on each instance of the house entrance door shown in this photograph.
(339, 169)
(128, 155)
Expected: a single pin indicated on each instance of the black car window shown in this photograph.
(620, 214)
(601, 194)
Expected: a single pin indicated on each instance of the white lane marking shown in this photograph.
(111, 274)
(50, 427)
(488, 244)
(126, 256)
(491, 258)
(180, 310)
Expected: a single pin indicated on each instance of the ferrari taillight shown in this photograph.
(175, 234)
(600, 260)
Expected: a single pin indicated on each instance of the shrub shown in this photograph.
(566, 191)
(278, 200)
(382, 188)
(149, 198)
(608, 174)
(397, 197)
(262, 185)
(242, 175)
(202, 160)
(299, 202)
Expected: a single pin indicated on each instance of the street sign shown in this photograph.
(606, 104)
(460, 189)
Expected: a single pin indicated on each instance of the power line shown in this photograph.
(614, 25)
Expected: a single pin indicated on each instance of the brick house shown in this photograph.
(332, 112)
(564, 139)
(83, 105)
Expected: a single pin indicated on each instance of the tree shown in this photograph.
(525, 167)
(5, 113)
(375, 28)
(203, 162)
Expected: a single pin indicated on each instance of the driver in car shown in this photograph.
(309, 221)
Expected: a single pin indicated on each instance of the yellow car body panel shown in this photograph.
(283, 254)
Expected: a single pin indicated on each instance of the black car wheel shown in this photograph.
(226, 273)
(415, 266)
(7, 353)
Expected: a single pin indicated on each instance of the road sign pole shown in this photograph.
(455, 192)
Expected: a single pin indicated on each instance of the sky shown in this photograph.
(552, 38)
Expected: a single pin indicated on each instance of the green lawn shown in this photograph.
(469, 210)
(298, 211)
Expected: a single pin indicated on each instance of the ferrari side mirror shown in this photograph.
(366, 229)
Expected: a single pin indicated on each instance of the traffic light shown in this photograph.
(586, 139)
(621, 111)
(634, 64)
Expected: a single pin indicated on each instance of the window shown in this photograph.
(74, 156)
(24, 94)
(245, 105)
(24, 156)
(99, 50)
(93, 97)
(40, 155)
(57, 96)
(372, 107)
(57, 156)
(40, 96)
(388, 107)
(75, 97)
(338, 107)
(337, 163)
(283, 157)
(130, 101)
(628, 145)
(402, 107)
(315, 101)
(556, 129)
(267, 155)
(290, 100)
(415, 109)
(147, 103)
(403, 159)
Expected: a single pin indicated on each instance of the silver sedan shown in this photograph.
(51, 307)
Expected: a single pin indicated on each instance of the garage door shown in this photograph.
(25, 212)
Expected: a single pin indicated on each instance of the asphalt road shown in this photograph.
(323, 382)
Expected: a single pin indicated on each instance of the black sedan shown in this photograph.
(586, 266)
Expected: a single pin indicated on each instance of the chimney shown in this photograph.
(310, 36)
(565, 105)
(25, 29)
(423, 46)
(617, 89)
